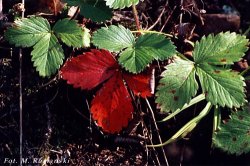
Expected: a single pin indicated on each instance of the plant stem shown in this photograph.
(217, 119)
(135, 13)
(245, 71)
(147, 31)
(195, 100)
(187, 128)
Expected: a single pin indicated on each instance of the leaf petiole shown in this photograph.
(187, 128)
(195, 100)
(156, 32)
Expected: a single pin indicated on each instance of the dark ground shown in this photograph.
(56, 119)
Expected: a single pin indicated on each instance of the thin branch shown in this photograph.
(135, 13)
(21, 99)
(160, 16)
(157, 130)
(169, 16)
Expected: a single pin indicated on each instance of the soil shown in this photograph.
(56, 120)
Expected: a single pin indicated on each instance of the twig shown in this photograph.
(151, 141)
(21, 99)
(135, 13)
(160, 16)
(169, 16)
(157, 130)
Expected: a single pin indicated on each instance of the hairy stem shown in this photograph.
(135, 13)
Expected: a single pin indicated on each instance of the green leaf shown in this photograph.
(28, 31)
(114, 38)
(222, 87)
(35, 31)
(224, 48)
(69, 32)
(147, 48)
(177, 86)
(234, 136)
(121, 3)
(47, 55)
(96, 10)
(137, 54)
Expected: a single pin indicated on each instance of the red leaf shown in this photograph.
(89, 70)
(112, 107)
(139, 84)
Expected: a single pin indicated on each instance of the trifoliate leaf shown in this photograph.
(177, 86)
(69, 32)
(96, 10)
(224, 48)
(114, 38)
(234, 135)
(35, 31)
(121, 3)
(147, 48)
(112, 106)
(137, 54)
(222, 87)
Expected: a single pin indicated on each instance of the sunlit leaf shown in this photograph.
(177, 86)
(234, 135)
(224, 48)
(220, 86)
(69, 32)
(147, 48)
(121, 3)
(114, 38)
(47, 54)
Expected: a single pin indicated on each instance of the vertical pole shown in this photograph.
(21, 99)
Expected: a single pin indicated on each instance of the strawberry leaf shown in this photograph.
(234, 135)
(47, 54)
(137, 54)
(121, 3)
(221, 86)
(89, 70)
(112, 107)
(139, 84)
(224, 48)
(113, 38)
(177, 86)
(96, 10)
(69, 32)
(147, 48)
(28, 31)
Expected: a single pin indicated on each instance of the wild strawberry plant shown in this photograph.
(120, 64)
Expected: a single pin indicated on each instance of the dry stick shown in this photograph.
(160, 16)
(135, 13)
(151, 141)
(157, 130)
(165, 23)
(21, 99)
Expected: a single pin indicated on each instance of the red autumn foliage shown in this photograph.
(112, 106)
